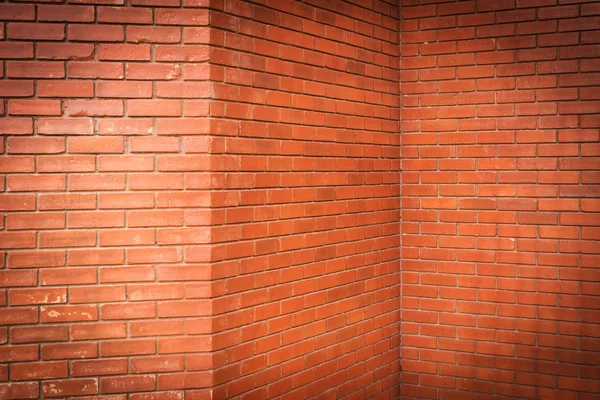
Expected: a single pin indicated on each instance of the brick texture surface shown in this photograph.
(202, 199)
(500, 159)
(305, 190)
(105, 154)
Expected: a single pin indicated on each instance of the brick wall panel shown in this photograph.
(117, 138)
(203, 199)
(88, 114)
(494, 128)
(309, 216)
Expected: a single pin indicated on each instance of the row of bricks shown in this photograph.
(294, 157)
(487, 24)
(431, 298)
(309, 313)
(519, 231)
(111, 108)
(548, 123)
(191, 218)
(524, 257)
(169, 273)
(524, 8)
(115, 145)
(303, 32)
(503, 70)
(553, 323)
(505, 244)
(328, 122)
(527, 240)
(509, 42)
(553, 318)
(364, 279)
(327, 98)
(524, 101)
(172, 344)
(447, 350)
(557, 23)
(108, 52)
(502, 204)
(272, 188)
(504, 56)
(348, 171)
(439, 299)
(358, 240)
(499, 57)
(481, 372)
(195, 235)
(473, 350)
(316, 293)
(527, 131)
(550, 266)
(108, 385)
(530, 82)
(86, 13)
(353, 186)
(457, 349)
(197, 254)
(270, 141)
(542, 144)
(191, 16)
(373, 78)
(572, 143)
(139, 365)
(501, 110)
(504, 162)
(206, 163)
(527, 264)
(270, 213)
(355, 389)
(350, 144)
(116, 219)
(365, 345)
(444, 41)
(465, 343)
(200, 199)
(168, 71)
(527, 386)
(445, 234)
(105, 36)
(507, 177)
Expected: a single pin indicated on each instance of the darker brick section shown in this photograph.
(305, 190)
(500, 133)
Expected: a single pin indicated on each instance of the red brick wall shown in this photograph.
(500, 134)
(204, 198)
(171, 226)
(103, 200)
(306, 199)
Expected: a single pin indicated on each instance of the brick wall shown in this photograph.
(105, 156)
(186, 207)
(203, 198)
(500, 117)
(306, 199)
